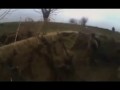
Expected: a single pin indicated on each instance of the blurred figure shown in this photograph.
(113, 29)
(93, 46)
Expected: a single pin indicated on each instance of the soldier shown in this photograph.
(113, 29)
(93, 46)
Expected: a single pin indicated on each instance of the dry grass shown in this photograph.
(32, 51)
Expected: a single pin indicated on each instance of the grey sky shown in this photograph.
(105, 18)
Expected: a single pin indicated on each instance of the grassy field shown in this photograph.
(38, 58)
(54, 27)
(12, 27)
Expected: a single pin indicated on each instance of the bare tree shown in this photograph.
(5, 12)
(73, 21)
(83, 21)
(46, 13)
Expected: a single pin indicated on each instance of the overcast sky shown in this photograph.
(105, 18)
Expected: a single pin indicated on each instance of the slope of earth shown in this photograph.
(62, 57)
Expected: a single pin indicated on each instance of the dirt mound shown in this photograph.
(61, 57)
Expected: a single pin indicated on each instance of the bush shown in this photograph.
(73, 21)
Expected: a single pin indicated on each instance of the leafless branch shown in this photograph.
(4, 12)
(38, 11)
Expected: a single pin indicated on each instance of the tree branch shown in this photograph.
(4, 12)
